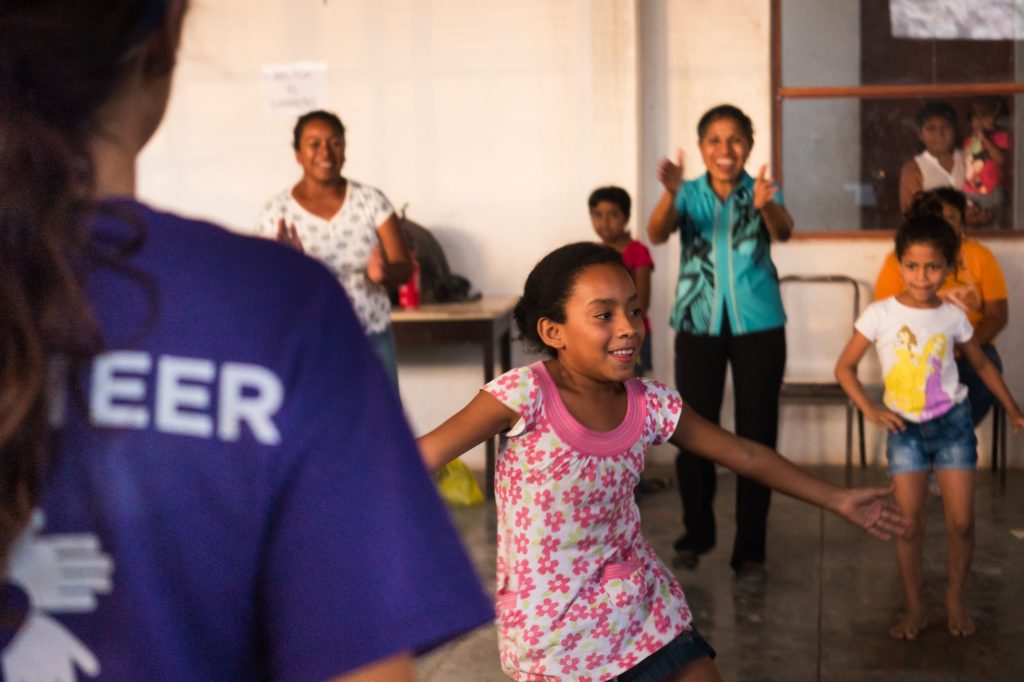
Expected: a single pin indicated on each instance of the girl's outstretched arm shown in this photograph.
(484, 417)
(994, 380)
(846, 375)
(869, 508)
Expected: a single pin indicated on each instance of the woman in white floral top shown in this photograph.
(348, 226)
(581, 595)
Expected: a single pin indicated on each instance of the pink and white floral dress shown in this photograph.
(581, 595)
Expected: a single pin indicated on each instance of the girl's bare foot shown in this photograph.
(960, 623)
(910, 626)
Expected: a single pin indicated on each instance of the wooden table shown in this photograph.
(485, 323)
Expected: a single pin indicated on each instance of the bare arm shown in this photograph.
(993, 379)
(664, 216)
(846, 375)
(398, 668)
(863, 507)
(484, 417)
(393, 265)
(777, 220)
(995, 315)
(663, 219)
(994, 152)
(911, 182)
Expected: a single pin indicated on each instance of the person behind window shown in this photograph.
(940, 163)
(976, 284)
(727, 312)
(204, 473)
(349, 226)
(985, 153)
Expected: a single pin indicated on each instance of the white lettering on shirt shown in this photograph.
(115, 381)
(182, 393)
(252, 394)
(180, 397)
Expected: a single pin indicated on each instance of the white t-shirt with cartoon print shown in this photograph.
(915, 347)
(342, 243)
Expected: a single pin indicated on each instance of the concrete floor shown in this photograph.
(830, 595)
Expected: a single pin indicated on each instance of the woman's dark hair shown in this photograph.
(928, 229)
(60, 60)
(937, 109)
(613, 195)
(930, 202)
(726, 111)
(549, 285)
(318, 115)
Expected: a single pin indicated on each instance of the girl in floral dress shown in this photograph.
(581, 595)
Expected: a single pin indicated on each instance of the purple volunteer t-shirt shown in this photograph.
(235, 494)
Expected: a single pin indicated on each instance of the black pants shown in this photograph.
(758, 361)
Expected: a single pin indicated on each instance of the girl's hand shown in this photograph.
(286, 234)
(1016, 422)
(886, 418)
(764, 189)
(670, 175)
(375, 265)
(873, 510)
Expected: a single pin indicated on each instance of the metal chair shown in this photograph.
(829, 391)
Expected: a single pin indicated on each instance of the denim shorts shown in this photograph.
(670, 659)
(945, 442)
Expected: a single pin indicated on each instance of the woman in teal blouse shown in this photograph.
(727, 312)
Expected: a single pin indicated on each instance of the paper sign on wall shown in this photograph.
(293, 88)
(957, 19)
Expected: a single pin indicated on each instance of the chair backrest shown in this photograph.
(821, 310)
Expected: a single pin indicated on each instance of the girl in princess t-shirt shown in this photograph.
(580, 594)
(926, 409)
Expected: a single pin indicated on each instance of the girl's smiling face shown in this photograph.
(603, 329)
(923, 269)
(724, 148)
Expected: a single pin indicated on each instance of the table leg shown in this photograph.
(488, 377)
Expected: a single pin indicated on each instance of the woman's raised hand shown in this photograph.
(670, 174)
(764, 189)
(287, 234)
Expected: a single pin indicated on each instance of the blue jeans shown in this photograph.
(670, 659)
(981, 398)
(945, 442)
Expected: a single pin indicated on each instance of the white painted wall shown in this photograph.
(493, 120)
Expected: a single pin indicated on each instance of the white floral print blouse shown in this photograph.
(342, 243)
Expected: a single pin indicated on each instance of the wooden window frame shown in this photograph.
(780, 93)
